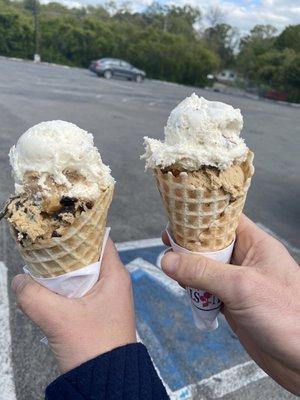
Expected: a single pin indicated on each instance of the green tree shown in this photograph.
(66, 41)
(222, 39)
(181, 20)
(260, 40)
(98, 12)
(16, 33)
(289, 38)
(280, 70)
(34, 7)
(173, 19)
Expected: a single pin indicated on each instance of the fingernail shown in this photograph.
(168, 250)
(17, 281)
(170, 263)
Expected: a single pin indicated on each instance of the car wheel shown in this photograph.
(107, 74)
(139, 78)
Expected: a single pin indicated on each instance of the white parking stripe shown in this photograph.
(7, 386)
(219, 385)
(226, 382)
(157, 274)
(138, 244)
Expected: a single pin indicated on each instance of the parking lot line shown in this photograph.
(7, 386)
(157, 274)
(215, 386)
(138, 244)
(225, 382)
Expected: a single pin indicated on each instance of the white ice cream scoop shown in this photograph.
(199, 132)
(56, 149)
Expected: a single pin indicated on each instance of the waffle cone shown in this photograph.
(200, 219)
(79, 246)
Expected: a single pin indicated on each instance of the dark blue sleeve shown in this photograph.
(125, 373)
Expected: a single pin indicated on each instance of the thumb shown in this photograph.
(200, 272)
(37, 302)
(111, 263)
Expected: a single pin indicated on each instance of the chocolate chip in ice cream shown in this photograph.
(56, 234)
(89, 205)
(68, 201)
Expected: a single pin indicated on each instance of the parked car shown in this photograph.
(275, 95)
(109, 67)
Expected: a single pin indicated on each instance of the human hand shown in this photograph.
(260, 294)
(81, 329)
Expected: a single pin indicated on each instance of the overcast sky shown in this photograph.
(243, 14)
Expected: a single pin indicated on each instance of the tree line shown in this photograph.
(168, 42)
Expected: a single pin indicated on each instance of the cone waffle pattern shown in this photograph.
(200, 219)
(78, 247)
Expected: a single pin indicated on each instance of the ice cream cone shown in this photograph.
(78, 247)
(200, 219)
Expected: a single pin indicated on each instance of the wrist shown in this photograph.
(72, 352)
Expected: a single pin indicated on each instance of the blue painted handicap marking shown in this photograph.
(184, 394)
(182, 354)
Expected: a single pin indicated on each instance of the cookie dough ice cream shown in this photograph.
(62, 190)
(203, 170)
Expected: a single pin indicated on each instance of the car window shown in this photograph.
(125, 64)
(109, 61)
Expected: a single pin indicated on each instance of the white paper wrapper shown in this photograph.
(73, 284)
(205, 306)
(76, 283)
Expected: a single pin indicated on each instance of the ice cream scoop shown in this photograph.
(63, 193)
(199, 133)
(59, 154)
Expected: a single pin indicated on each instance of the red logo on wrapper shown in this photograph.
(203, 300)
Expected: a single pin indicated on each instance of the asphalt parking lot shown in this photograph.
(119, 113)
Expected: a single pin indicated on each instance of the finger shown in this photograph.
(111, 263)
(202, 273)
(165, 238)
(168, 250)
(34, 300)
(247, 235)
(248, 229)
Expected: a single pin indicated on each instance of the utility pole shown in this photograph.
(36, 33)
(33, 6)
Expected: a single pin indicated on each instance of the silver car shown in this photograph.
(109, 67)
